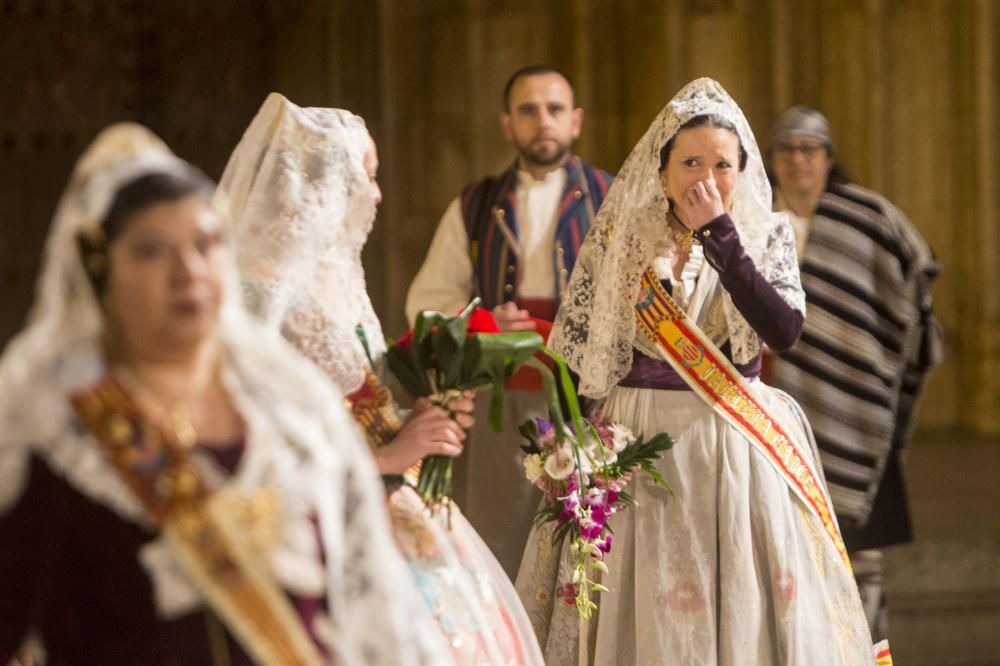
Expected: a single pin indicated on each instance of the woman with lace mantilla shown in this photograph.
(177, 486)
(684, 275)
(302, 188)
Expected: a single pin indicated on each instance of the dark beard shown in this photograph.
(537, 158)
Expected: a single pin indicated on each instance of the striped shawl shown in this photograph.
(869, 341)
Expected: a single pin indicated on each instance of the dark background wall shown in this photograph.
(194, 72)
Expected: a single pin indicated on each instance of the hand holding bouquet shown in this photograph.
(441, 356)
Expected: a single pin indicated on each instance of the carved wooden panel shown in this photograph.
(66, 71)
(707, 6)
(193, 70)
(204, 71)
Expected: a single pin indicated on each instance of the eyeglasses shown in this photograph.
(808, 150)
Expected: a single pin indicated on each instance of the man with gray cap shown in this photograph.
(869, 341)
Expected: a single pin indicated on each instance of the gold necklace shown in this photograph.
(177, 417)
(683, 239)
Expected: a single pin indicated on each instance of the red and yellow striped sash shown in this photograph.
(710, 374)
(883, 657)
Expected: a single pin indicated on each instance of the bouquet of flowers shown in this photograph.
(442, 356)
(583, 474)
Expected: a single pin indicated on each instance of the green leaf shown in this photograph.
(447, 343)
(425, 323)
(496, 407)
(436, 351)
(562, 530)
(467, 310)
(644, 450)
(551, 396)
(402, 365)
(422, 349)
(547, 514)
(493, 357)
(654, 473)
(359, 331)
(661, 442)
(573, 404)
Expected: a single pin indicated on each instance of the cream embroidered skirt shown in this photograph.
(730, 570)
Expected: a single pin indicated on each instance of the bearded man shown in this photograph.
(512, 240)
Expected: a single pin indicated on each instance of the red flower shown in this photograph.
(406, 341)
(481, 321)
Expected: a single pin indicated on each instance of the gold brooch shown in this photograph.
(683, 239)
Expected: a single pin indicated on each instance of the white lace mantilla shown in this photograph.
(302, 209)
(595, 327)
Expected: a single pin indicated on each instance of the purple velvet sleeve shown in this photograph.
(776, 322)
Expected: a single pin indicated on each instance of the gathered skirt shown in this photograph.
(470, 597)
(729, 569)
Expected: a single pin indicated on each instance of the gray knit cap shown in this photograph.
(801, 122)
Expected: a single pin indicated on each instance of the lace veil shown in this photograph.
(298, 440)
(595, 327)
(302, 209)
(59, 349)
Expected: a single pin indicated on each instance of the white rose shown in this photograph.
(598, 455)
(533, 466)
(559, 465)
(621, 437)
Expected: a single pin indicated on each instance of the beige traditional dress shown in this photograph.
(733, 567)
(303, 208)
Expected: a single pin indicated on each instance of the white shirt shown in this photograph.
(446, 283)
(682, 289)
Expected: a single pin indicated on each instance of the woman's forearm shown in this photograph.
(774, 320)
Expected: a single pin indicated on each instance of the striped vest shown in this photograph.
(488, 210)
